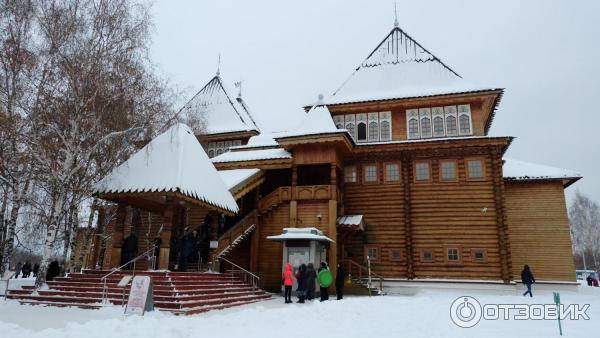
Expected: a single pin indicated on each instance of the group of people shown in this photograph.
(306, 278)
(591, 281)
(25, 270)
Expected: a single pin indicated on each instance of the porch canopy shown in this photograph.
(173, 167)
(289, 234)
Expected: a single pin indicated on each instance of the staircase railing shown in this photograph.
(134, 260)
(249, 277)
(363, 272)
(229, 236)
(274, 198)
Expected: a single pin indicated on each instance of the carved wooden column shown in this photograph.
(117, 236)
(501, 224)
(165, 236)
(293, 202)
(406, 186)
(333, 247)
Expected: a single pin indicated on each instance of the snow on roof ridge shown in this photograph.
(318, 120)
(521, 170)
(399, 67)
(252, 155)
(174, 161)
(222, 114)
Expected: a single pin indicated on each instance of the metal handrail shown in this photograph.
(255, 279)
(134, 260)
(369, 274)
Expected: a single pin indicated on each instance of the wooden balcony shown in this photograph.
(299, 193)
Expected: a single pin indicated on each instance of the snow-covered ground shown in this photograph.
(426, 314)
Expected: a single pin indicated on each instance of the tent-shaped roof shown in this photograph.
(222, 114)
(515, 170)
(317, 121)
(172, 162)
(399, 67)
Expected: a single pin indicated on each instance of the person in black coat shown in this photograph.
(53, 271)
(26, 269)
(339, 281)
(527, 279)
(311, 277)
(302, 283)
(186, 250)
(18, 269)
(130, 247)
(324, 291)
(589, 280)
(36, 269)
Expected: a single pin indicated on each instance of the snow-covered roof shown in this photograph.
(398, 68)
(317, 121)
(172, 162)
(526, 171)
(252, 155)
(300, 233)
(350, 220)
(222, 114)
(261, 140)
(234, 177)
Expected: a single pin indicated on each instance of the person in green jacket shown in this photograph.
(324, 290)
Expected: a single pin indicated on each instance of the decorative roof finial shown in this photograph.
(219, 65)
(396, 24)
(239, 86)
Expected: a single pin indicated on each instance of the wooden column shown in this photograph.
(501, 224)
(293, 202)
(406, 186)
(117, 236)
(333, 248)
(165, 236)
(255, 247)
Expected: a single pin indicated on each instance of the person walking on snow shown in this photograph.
(311, 277)
(288, 281)
(527, 279)
(302, 283)
(324, 290)
(339, 281)
(18, 270)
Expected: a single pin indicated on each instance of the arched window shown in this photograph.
(451, 126)
(362, 131)
(351, 129)
(211, 153)
(339, 126)
(373, 131)
(413, 128)
(385, 131)
(438, 126)
(425, 127)
(219, 151)
(464, 124)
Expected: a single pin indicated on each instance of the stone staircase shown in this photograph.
(178, 292)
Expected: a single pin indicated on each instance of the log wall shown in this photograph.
(538, 228)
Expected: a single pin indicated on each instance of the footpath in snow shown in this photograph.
(426, 314)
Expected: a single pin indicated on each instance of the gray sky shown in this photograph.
(545, 53)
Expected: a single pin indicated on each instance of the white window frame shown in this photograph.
(338, 120)
(350, 119)
(450, 111)
(385, 116)
(438, 112)
(373, 118)
(410, 115)
(464, 110)
(425, 113)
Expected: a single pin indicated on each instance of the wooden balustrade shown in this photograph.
(237, 230)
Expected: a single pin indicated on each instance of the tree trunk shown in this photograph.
(11, 226)
(57, 205)
(78, 264)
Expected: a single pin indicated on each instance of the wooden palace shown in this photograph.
(395, 169)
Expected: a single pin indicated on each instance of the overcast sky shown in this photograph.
(545, 53)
